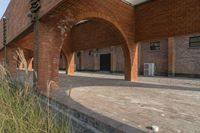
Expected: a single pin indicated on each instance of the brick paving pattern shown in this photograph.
(170, 103)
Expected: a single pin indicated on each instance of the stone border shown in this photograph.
(83, 123)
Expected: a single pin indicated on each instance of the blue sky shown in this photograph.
(3, 6)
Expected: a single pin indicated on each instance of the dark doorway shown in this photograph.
(105, 62)
(78, 61)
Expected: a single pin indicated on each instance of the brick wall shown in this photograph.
(88, 60)
(1, 34)
(119, 59)
(18, 9)
(11, 60)
(56, 33)
(160, 58)
(91, 59)
(17, 20)
(155, 19)
(187, 59)
(93, 34)
(165, 18)
(16, 14)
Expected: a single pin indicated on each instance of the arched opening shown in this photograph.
(62, 63)
(95, 44)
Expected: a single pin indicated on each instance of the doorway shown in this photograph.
(105, 62)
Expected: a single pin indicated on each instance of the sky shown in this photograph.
(3, 6)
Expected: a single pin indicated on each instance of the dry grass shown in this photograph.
(21, 110)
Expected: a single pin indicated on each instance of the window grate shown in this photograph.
(155, 46)
(194, 42)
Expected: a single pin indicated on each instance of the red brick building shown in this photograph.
(157, 29)
(186, 63)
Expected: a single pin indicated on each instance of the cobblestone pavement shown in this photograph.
(173, 104)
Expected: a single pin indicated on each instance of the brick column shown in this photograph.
(11, 61)
(113, 59)
(171, 56)
(30, 66)
(48, 56)
(70, 62)
(131, 65)
(139, 58)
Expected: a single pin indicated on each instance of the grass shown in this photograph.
(21, 110)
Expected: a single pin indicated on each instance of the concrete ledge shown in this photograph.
(88, 123)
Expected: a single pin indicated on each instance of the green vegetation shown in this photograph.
(21, 110)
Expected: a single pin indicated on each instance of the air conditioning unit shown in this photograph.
(149, 69)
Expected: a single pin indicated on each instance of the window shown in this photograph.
(194, 42)
(155, 46)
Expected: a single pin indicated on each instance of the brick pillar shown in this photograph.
(113, 59)
(171, 56)
(30, 64)
(139, 58)
(48, 56)
(11, 61)
(70, 62)
(131, 65)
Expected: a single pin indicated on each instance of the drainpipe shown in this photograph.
(34, 10)
(5, 40)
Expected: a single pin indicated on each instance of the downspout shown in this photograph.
(34, 10)
(5, 40)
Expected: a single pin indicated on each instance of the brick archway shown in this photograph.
(129, 47)
(57, 39)
(69, 54)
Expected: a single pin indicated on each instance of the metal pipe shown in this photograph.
(36, 48)
(5, 40)
(34, 9)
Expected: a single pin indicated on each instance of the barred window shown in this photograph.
(194, 42)
(155, 46)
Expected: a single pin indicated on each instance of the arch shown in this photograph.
(109, 20)
(55, 38)
(101, 16)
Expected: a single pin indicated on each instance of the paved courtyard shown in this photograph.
(173, 104)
